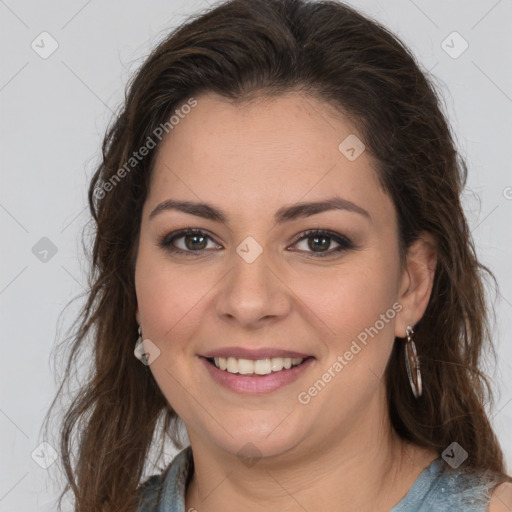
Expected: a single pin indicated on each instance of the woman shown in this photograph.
(282, 265)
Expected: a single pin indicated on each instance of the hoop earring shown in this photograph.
(412, 364)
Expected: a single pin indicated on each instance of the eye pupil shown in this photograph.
(324, 245)
(195, 246)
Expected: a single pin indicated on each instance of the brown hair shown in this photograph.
(248, 48)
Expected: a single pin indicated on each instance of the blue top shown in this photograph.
(438, 488)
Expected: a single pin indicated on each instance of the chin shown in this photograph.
(255, 442)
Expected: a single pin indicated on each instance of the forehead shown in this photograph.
(267, 152)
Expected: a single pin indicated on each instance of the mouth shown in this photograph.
(256, 367)
(265, 372)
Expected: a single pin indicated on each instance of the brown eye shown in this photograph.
(318, 242)
(187, 241)
(194, 242)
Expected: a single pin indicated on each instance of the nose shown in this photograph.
(252, 293)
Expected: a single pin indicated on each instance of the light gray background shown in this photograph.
(54, 112)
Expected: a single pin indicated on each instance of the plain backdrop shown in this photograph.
(54, 111)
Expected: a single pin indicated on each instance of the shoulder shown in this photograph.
(501, 500)
(153, 482)
(149, 493)
(169, 486)
(467, 489)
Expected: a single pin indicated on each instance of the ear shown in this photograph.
(416, 282)
(137, 316)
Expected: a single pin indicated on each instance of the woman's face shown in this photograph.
(254, 280)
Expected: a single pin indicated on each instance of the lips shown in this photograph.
(256, 384)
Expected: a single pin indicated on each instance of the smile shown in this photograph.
(255, 367)
(255, 376)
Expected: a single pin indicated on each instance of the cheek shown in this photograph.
(169, 303)
(355, 306)
(169, 297)
(350, 297)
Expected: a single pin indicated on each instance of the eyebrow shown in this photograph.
(284, 214)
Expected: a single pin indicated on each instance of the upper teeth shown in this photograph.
(259, 366)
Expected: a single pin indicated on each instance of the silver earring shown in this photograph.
(139, 349)
(412, 363)
(145, 350)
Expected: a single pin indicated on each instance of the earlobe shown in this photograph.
(417, 281)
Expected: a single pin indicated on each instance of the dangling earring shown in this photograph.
(412, 363)
(139, 349)
(145, 350)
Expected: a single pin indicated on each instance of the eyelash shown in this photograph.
(344, 243)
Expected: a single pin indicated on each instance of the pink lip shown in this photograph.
(256, 384)
(247, 353)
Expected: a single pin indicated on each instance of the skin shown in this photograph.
(502, 498)
(339, 451)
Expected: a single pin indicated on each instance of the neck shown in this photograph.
(369, 468)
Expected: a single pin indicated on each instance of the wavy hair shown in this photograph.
(243, 49)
